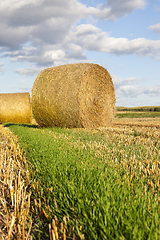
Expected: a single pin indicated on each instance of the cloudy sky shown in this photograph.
(123, 36)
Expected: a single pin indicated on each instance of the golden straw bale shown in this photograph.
(15, 108)
(74, 95)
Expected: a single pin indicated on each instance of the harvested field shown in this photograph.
(122, 164)
(144, 122)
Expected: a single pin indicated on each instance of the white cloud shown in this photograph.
(2, 64)
(64, 46)
(126, 87)
(131, 88)
(153, 91)
(123, 7)
(92, 38)
(29, 71)
(155, 28)
(131, 91)
(114, 9)
(44, 22)
(49, 21)
(44, 32)
(56, 54)
(2, 69)
(75, 51)
(118, 82)
(17, 4)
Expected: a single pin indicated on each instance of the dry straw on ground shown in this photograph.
(14, 201)
(74, 95)
(15, 108)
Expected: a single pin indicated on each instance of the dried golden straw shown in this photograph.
(74, 95)
(15, 108)
(14, 201)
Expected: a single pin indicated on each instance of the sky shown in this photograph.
(123, 36)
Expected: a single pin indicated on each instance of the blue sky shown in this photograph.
(121, 35)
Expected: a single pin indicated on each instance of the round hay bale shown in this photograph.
(74, 95)
(15, 108)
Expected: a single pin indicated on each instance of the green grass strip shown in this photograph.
(138, 115)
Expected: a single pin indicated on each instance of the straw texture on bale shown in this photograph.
(74, 95)
(15, 108)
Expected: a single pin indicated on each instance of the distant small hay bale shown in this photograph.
(74, 95)
(15, 108)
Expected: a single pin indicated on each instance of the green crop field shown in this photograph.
(138, 115)
(106, 181)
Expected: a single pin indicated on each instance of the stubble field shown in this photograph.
(91, 184)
